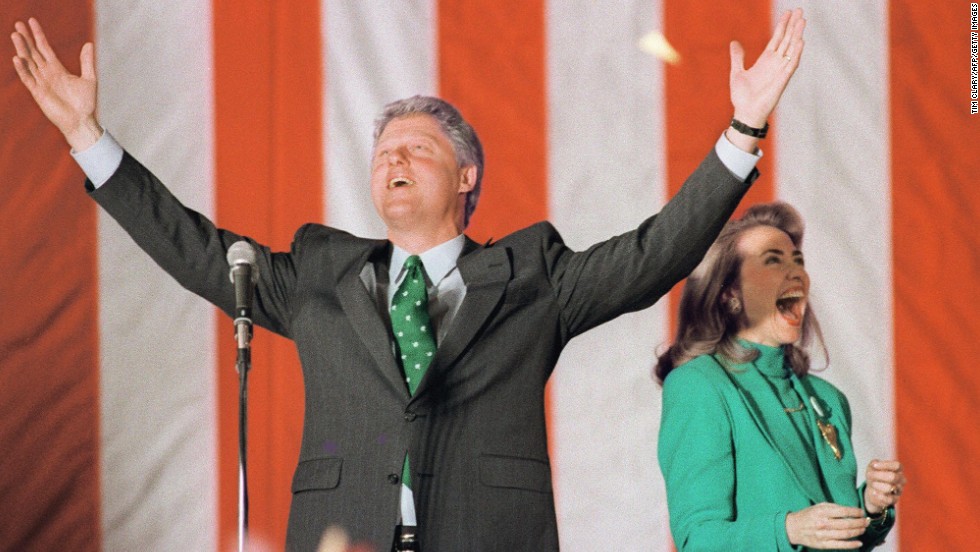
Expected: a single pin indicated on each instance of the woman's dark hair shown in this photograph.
(706, 324)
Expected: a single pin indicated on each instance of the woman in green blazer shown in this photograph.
(755, 451)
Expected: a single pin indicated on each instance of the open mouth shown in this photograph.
(399, 182)
(792, 306)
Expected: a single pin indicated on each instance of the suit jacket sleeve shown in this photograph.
(191, 248)
(697, 457)
(631, 271)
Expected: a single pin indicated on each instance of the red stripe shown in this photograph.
(49, 344)
(935, 254)
(697, 92)
(269, 167)
(492, 66)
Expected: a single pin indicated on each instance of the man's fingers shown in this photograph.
(777, 35)
(41, 40)
(791, 44)
(738, 56)
(21, 46)
(797, 43)
(87, 58)
(24, 73)
(782, 48)
(32, 52)
(798, 27)
(792, 33)
(794, 58)
(21, 28)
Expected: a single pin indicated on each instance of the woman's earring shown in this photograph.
(734, 305)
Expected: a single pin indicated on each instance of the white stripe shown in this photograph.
(606, 174)
(157, 352)
(376, 52)
(833, 165)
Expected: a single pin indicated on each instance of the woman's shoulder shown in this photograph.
(698, 389)
(704, 370)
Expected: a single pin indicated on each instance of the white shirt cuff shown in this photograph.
(100, 161)
(739, 162)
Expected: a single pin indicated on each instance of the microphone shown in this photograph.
(243, 274)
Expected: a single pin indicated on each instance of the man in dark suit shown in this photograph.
(425, 355)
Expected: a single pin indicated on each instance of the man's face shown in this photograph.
(416, 183)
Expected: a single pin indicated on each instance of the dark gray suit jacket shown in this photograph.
(475, 429)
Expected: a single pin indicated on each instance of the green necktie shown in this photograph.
(416, 345)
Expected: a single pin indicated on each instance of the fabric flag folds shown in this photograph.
(118, 404)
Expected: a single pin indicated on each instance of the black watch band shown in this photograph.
(750, 131)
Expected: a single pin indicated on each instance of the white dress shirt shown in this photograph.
(445, 289)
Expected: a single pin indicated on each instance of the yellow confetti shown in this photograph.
(655, 44)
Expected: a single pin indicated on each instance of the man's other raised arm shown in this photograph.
(67, 100)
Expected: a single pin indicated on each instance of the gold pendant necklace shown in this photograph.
(829, 433)
(827, 430)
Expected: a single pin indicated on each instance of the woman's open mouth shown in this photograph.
(792, 306)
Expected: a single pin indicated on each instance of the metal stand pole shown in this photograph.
(243, 365)
(242, 257)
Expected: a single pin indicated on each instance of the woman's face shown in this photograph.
(773, 286)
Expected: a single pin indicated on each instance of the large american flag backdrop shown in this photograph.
(118, 391)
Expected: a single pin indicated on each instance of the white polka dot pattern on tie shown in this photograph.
(412, 327)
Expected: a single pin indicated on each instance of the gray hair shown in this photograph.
(466, 144)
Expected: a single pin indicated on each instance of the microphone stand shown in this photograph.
(241, 256)
(243, 334)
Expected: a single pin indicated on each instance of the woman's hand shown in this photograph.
(67, 100)
(826, 525)
(885, 482)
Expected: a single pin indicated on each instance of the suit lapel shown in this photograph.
(356, 270)
(770, 417)
(485, 272)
